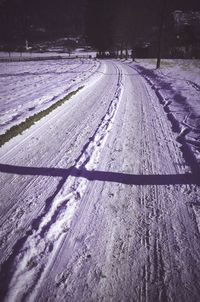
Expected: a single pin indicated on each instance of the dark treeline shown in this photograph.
(107, 25)
(116, 25)
(112, 24)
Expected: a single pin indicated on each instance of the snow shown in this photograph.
(98, 201)
(30, 87)
(52, 53)
(177, 85)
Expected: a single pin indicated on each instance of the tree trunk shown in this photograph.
(160, 33)
(121, 51)
(126, 51)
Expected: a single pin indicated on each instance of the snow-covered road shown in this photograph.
(98, 202)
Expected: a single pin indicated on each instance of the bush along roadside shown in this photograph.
(20, 128)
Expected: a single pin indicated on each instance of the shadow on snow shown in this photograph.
(129, 179)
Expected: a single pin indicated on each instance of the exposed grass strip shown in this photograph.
(20, 128)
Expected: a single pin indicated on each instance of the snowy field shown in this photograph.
(14, 55)
(100, 198)
(177, 85)
(29, 87)
(52, 53)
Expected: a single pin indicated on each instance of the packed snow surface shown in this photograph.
(177, 86)
(100, 198)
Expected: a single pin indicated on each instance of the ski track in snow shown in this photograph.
(33, 257)
(132, 243)
(37, 154)
(104, 240)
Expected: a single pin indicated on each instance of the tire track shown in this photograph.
(30, 263)
(10, 220)
(132, 243)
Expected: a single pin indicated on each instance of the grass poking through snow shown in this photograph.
(18, 129)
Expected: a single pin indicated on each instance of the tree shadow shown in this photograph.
(128, 179)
